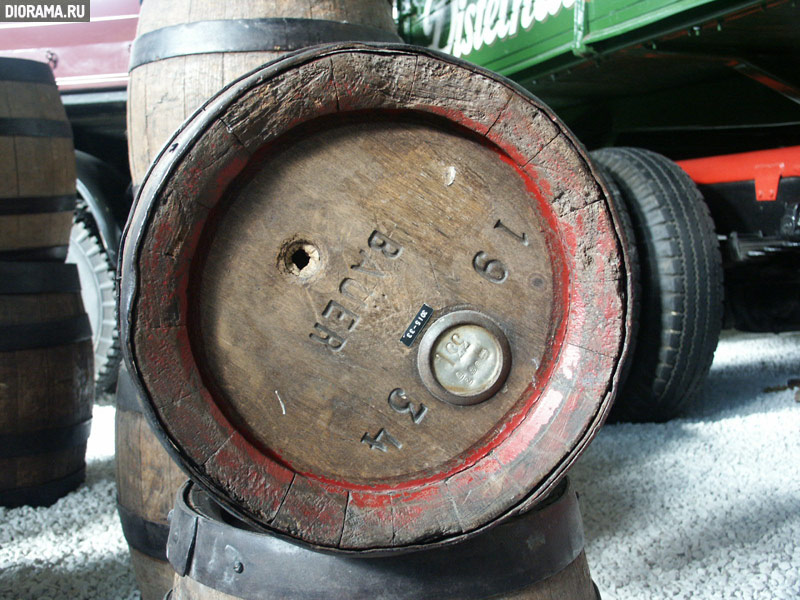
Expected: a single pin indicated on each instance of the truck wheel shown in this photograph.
(99, 299)
(680, 271)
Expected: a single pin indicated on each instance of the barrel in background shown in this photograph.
(37, 164)
(186, 51)
(46, 382)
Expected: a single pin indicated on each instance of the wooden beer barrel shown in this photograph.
(37, 164)
(186, 50)
(147, 482)
(46, 382)
(376, 298)
(536, 556)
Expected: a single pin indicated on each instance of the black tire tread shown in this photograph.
(681, 282)
(107, 360)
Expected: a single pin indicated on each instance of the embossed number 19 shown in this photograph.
(493, 269)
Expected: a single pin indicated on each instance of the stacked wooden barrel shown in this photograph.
(46, 384)
(375, 299)
(146, 482)
(37, 170)
(184, 53)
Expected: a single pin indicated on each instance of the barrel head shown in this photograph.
(375, 298)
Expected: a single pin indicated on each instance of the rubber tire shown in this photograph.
(680, 280)
(98, 291)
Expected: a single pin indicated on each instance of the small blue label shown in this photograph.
(417, 325)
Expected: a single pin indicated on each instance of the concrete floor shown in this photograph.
(704, 507)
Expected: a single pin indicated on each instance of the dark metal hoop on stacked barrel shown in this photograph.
(248, 35)
(536, 556)
(47, 382)
(37, 164)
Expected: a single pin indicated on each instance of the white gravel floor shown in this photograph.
(703, 507)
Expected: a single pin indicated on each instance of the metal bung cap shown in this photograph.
(464, 358)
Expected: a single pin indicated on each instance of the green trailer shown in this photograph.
(688, 78)
(645, 83)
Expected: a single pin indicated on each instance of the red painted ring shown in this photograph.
(556, 423)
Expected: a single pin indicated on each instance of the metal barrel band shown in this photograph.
(37, 205)
(127, 394)
(29, 336)
(502, 560)
(44, 494)
(144, 536)
(26, 71)
(50, 128)
(38, 278)
(44, 253)
(248, 35)
(45, 441)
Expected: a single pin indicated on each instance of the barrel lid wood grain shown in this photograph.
(375, 298)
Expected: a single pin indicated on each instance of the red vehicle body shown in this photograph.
(84, 56)
(90, 64)
(754, 198)
(765, 167)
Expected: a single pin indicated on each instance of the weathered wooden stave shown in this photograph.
(47, 388)
(147, 481)
(596, 342)
(231, 39)
(536, 556)
(37, 164)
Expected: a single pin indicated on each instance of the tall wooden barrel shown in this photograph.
(204, 45)
(186, 50)
(46, 382)
(536, 556)
(147, 481)
(37, 164)
(375, 297)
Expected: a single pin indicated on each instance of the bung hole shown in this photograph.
(300, 258)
